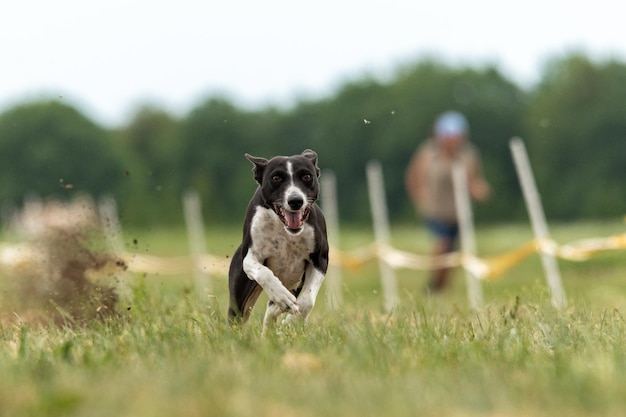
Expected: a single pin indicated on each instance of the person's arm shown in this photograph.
(478, 187)
(415, 177)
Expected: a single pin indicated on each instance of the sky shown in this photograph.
(109, 57)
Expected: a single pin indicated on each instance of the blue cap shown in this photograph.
(451, 123)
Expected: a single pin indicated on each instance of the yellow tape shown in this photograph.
(490, 268)
(400, 259)
(499, 264)
(584, 249)
(14, 258)
(352, 260)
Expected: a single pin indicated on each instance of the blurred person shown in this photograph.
(429, 184)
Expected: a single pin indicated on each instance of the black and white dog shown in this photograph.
(284, 249)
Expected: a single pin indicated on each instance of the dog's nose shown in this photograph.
(295, 202)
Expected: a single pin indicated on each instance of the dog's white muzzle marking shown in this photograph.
(294, 209)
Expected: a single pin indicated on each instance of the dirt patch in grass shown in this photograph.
(61, 268)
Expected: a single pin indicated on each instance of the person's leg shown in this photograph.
(445, 240)
(441, 277)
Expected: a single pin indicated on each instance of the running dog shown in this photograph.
(284, 250)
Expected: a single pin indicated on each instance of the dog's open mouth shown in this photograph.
(293, 220)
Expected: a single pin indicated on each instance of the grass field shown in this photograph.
(170, 352)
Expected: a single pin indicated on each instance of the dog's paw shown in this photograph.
(292, 319)
(283, 299)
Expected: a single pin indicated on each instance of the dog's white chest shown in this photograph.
(284, 253)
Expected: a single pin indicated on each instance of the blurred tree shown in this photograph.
(215, 136)
(577, 137)
(151, 142)
(493, 105)
(573, 123)
(334, 128)
(49, 148)
(370, 120)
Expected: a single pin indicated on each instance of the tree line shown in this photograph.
(573, 122)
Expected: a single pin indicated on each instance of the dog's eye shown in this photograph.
(307, 177)
(276, 179)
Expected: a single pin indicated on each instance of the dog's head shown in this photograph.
(289, 185)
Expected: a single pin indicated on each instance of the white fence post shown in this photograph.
(538, 219)
(381, 231)
(467, 233)
(328, 181)
(197, 243)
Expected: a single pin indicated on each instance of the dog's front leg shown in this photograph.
(283, 299)
(271, 314)
(308, 294)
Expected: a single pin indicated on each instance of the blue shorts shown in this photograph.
(442, 229)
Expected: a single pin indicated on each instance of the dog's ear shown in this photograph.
(259, 166)
(312, 156)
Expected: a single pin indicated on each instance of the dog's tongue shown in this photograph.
(293, 219)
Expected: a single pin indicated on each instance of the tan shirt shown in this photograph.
(429, 179)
